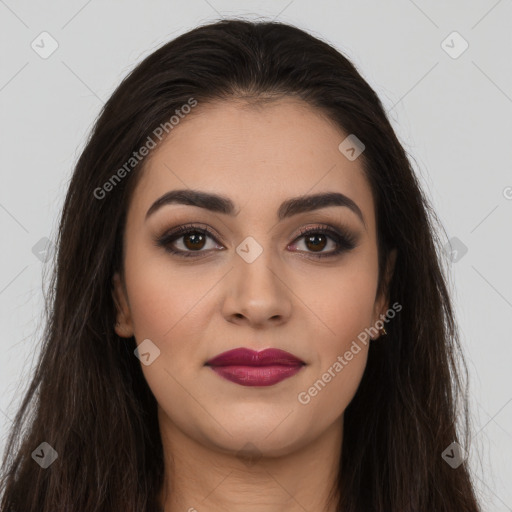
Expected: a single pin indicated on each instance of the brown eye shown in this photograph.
(189, 239)
(194, 240)
(316, 242)
(317, 239)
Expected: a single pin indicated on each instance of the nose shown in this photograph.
(257, 293)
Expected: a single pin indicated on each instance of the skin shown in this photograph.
(195, 308)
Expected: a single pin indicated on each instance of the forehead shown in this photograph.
(257, 155)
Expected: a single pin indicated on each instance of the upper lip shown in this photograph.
(248, 357)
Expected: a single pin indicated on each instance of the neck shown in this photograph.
(204, 478)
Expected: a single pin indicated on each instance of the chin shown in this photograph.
(261, 439)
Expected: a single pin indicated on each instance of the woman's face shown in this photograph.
(256, 282)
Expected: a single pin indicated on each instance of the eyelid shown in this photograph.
(192, 226)
(338, 230)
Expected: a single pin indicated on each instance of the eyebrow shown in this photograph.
(221, 204)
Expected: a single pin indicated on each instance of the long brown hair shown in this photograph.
(88, 398)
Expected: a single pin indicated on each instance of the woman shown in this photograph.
(248, 310)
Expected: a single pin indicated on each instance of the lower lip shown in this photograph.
(256, 375)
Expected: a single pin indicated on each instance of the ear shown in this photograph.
(382, 301)
(123, 327)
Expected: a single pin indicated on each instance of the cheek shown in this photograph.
(167, 305)
(172, 306)
(163, 297)
(340, 350)
(344, 301)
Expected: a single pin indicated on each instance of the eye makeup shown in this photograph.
(343, 238)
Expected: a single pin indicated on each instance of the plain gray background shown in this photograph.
(453, 114)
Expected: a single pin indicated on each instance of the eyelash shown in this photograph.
(344, 239)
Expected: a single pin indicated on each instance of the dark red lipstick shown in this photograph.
(250, 368)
